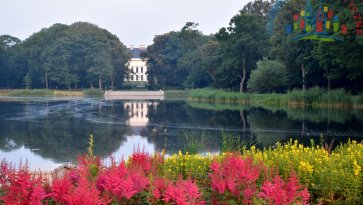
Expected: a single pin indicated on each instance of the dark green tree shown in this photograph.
(243, 43)
(33, 48)
(174, 56)
(270, 76)
(11, 61)
(162, 58)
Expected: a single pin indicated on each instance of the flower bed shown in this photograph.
(287, 174)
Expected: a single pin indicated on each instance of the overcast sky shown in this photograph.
(135, 22)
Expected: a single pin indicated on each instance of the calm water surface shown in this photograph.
(48, 132)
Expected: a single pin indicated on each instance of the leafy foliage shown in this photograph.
(174, 55)
(267, 77)
(80, 55)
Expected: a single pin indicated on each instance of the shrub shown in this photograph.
(359, 99)
(270, 76)
(313, 95)
(337, 97)
(308, 97)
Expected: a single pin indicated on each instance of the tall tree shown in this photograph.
(61, 56)
(162, 58)
(243, 43)
(175, 58)
(33, 48)
(11, 70)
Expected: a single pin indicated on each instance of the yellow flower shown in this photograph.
(305, 166)
(357, 168)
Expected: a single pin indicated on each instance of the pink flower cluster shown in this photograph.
(141, 181)
(236, 179)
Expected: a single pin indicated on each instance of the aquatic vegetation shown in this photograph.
(313, 97)
(93, 92)
(41, 93)
(284, 174)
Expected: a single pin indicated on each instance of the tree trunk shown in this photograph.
(100, 83)
(303, 124)
(328, 76)
(243, 77)
(113, 77)
(329, 84)
(46, 80)
(243, 119)
(303, 77)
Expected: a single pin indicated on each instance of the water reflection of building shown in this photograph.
(137, 114)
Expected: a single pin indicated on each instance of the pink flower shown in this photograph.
(37, 195)
(142, 160)
(248, 194)
(235, 175)
(280, 193)
(184, 192)
(62, 191)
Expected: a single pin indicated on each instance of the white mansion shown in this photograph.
(137, 66)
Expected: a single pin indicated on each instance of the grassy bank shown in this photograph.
(314, 97)
(176, 94)
(51, 93)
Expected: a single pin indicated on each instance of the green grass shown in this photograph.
(314, 97)
(217, 106)
(93, 92)
(337, 98)
(213, 95)
(192, 145)
(40, 93)
(31, 93)
(176, 94)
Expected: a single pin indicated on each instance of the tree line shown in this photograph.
(244, 57)
(80, 55)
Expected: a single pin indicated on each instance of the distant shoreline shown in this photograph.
(50, 93)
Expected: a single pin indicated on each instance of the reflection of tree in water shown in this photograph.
(340, 116)
(282, 125)
(60, 130)
(62, 135)
(264, 126)
(269, 127)
(269, 123)
(178, 119)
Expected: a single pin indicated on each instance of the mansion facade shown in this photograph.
(137, 66)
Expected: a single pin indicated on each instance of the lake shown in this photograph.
(48, 132)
